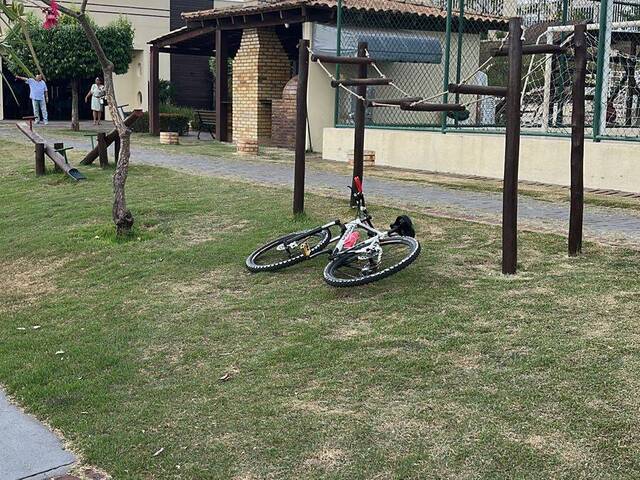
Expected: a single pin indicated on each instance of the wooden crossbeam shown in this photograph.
(356, 82)
(391, 101)
(478, 90)
(433, 107)
(341, 60)
(531, 50)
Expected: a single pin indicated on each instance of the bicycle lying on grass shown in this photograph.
(353, 261)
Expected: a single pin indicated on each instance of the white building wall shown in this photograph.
(320, 98)
(150, 19)
(542, 159)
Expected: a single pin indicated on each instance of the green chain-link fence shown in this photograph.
(424, 45)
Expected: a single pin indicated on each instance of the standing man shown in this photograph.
(39, 96)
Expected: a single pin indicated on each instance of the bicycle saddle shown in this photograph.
(403, 226)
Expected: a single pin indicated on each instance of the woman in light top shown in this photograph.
(97, 94)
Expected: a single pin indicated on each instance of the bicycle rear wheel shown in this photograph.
(352, 269)
(282, 252)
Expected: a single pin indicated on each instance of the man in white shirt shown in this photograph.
(39, 96)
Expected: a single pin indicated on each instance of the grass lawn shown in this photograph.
(446, 370)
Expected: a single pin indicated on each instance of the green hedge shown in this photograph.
(172, 119)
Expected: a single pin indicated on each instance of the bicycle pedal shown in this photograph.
(306, 250)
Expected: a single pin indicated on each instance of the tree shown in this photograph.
(122, 217)
(66, 55)
(11, 17)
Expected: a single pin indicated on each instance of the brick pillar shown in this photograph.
(261, 69)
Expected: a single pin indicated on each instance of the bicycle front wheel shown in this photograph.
(283, 252)
(352, 269)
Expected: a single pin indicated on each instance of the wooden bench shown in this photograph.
(206, 122)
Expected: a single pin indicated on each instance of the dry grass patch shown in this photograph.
(554, 444)
(327, 458)
(206, 228)
(217, 286)
(24, 282)
(358, 328)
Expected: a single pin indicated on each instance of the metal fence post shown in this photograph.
(447, 56)
(459, 46)
(336, 108)
(565, 11)
(602, 72)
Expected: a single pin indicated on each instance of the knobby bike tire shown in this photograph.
(252, 264)
(413, 251)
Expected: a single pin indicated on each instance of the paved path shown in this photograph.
(28, 450)
(604, 223)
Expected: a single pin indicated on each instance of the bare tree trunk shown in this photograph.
(75, 117)
(122, 217)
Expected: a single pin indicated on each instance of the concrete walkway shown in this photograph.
(28, 450)
(600, 223)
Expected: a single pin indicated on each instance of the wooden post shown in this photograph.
(111, 137)
(301, 126)
(359, 122)
(58, 147)
(512, 151)
(40, 168)
(222, 86)
(116, 148)
(577, 142)
(154, 92)
(102, 150)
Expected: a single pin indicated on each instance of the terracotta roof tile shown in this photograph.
(412, 7)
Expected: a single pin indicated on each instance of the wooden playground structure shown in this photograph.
(514, 50)
(58, 153)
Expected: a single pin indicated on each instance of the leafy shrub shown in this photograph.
(174, 122)
(167, 92)
(172, 119)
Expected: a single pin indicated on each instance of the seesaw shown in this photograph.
(57, 155)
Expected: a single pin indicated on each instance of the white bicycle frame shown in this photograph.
(363, 246)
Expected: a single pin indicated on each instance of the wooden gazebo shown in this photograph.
(217, 33)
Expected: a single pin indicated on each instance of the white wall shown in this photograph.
(542, 159)
(150, 19)
(320, 98)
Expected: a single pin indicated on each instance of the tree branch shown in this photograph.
(83, 8)
(65, 10)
